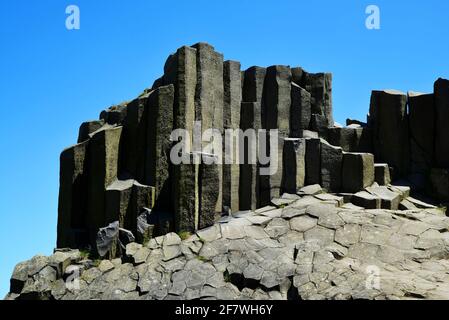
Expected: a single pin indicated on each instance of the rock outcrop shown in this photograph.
(307, 247)
(324, 222)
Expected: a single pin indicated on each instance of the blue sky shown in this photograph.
(54, 79)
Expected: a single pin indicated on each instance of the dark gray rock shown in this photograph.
(144, 230)
(118, 200)
(331, 167)
(249, 190)
(103, 170)
(253, 84)
(300, 111)
(319, 123)
(209, 98)
(209, 181)
(134, 138)
(294, 165)
(87, 128)
(115, 114)
(232, 105)
(422, 131)
(389, 200)
(366, 200)
(181, 71)
(441, 96)
(320, 87)
(185, 193)
(126, 236)
(346, 138)
(358, 171)
(107, 240)
(439, 183)
(277, 99)
(382, 174)
(72, 195)
(389, 121)
(313, 161)
(157, 159)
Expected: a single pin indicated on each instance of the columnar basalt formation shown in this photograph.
(330, 202)
(122, 170)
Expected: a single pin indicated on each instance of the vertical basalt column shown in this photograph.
(331, 167)
(186, 195)
(209, 183)
(181, 71)
(134, 139)
(313, 161)
(231, 116)
(320, 87)
(118, 202)
(294, 172)
(209, 97)
(277, 99)
(275, 116)
(88, 128)
(300, 112)
(103, 170)
(251, 123)
(72, 196)
(390, 128)
(422, 131)
(157, 160)
(441, 94)
(253, 83)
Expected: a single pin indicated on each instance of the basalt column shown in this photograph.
(209, 98)
(441, 92)
(180, 70)
(72, 197)
(251, 123)
(389, 123)
(275, 116)
(134, 139)
(231, 115)
(159, 113)
(422, 135)
(103, 170)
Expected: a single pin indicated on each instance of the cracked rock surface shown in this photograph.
(309, 249)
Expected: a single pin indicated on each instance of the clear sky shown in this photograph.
(53, 79)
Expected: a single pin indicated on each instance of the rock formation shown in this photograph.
(310, 230)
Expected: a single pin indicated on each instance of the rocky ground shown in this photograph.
(312, 246)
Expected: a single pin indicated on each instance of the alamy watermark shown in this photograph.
(372, 21)
(73, 20)
(256, 147)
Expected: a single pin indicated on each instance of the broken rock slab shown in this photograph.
(366, 200)
(389, 200)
